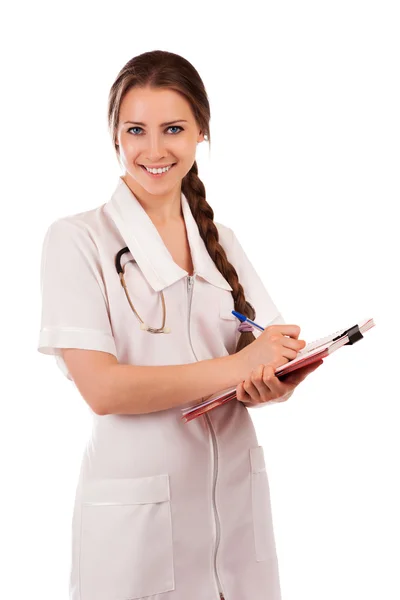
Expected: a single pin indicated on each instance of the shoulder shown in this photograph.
(79, 221)
(83, 226)
(233, 248)
(74, 240)
(230, 243)
(226, 235)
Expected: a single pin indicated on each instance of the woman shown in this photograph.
(137, 298)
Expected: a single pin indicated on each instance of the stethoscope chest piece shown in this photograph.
(145, 327)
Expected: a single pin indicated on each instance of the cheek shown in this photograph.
(128, 145)
(129, 149)
(122, 150)
(185, 147)
(186, 155)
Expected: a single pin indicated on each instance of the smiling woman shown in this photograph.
(137, 297)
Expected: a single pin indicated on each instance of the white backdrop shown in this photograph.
(304, 166)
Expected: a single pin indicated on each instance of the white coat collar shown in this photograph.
(147, 246)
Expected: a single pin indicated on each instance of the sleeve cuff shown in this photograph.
(52, 340)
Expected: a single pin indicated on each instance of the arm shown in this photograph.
(113, 388)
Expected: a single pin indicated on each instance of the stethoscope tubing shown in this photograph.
(143, 326)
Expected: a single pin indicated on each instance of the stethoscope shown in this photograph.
(143, 326)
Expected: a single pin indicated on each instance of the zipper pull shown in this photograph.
(190, 280)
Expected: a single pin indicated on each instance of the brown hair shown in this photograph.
(161, 69)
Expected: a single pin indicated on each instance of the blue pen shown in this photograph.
(242, 318)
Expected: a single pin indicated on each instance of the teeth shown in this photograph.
(164, 170)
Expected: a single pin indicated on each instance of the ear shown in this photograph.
(200, 137)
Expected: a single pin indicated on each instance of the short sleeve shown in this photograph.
(74, 302)
(267, 313)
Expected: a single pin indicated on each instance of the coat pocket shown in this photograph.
(261, 505)
(126, 538)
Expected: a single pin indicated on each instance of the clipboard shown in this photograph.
(312, 352)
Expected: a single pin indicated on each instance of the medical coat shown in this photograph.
(164, 510)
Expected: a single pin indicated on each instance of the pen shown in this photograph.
(242, 318)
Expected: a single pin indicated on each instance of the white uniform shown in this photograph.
(164, 510)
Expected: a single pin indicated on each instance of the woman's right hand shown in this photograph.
(276, 345)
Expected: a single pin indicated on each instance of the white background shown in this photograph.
(304, 166)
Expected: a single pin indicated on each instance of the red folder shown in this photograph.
(312, 352)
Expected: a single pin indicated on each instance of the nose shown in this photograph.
(156, 146)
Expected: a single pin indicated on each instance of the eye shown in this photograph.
(176, 127)
(130, 128)
(171, 127)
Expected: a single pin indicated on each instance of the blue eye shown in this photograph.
(171, 127)
(175, 127)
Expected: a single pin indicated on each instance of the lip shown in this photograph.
(158, 166)
(157, 175)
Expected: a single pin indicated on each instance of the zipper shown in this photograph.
(190, 284)
(217, 523)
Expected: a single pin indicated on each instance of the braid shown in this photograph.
(194, 190)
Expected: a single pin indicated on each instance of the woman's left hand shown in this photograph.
(263, 386)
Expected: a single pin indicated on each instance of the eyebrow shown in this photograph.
(162, 124)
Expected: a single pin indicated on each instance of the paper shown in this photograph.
(312, 352)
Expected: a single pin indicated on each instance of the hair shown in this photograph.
(160, 69)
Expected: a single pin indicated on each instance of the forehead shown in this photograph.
(153, 106)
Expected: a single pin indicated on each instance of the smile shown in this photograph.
(158, 172)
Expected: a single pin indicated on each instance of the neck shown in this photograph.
(162, 209)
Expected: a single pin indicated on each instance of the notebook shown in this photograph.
(312, 352)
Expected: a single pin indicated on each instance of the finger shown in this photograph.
(276, 388)
(240, 393)
(290, 330)
(256, 386)
(289, 346)
(250, 388)
(293, 344)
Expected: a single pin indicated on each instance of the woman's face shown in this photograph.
(154, 144)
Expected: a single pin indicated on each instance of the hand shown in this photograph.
(263, 386)
(277, 345)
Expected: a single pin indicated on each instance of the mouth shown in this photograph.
(158, 175)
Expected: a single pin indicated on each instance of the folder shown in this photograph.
(312, 352)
